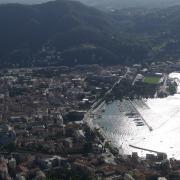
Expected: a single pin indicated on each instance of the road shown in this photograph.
(119, 80)
(87, 117)
(110, 90)
(164, 86)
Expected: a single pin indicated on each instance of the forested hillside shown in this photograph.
(71, 33)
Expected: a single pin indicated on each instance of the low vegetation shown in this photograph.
(152, 80)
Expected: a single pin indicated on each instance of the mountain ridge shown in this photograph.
(71, 33)
(63, 25)
(123, 4)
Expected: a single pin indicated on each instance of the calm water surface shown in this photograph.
(122, 124)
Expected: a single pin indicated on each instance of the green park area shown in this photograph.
(152, 80)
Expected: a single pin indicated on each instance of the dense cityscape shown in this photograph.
(89, 90)
(45, 133)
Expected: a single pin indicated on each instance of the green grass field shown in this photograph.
(152, 80)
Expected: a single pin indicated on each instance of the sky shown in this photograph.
(24, 1)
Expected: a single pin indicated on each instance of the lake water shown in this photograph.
(123, 126)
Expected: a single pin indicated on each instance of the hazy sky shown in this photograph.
(23, 1)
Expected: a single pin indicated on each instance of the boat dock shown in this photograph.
(145, 122)
(144, 149)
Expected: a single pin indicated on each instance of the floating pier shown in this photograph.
(145, 122)
(144, 149)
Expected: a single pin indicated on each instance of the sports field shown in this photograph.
(152, 80)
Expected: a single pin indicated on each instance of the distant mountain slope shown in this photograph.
(117, 4)
(23, 1)
(77, 31)
(68, 33)
(121, 4)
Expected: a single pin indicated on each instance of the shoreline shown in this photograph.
(94, 111)
(95, 127)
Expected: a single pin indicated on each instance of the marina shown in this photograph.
(143, 123)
